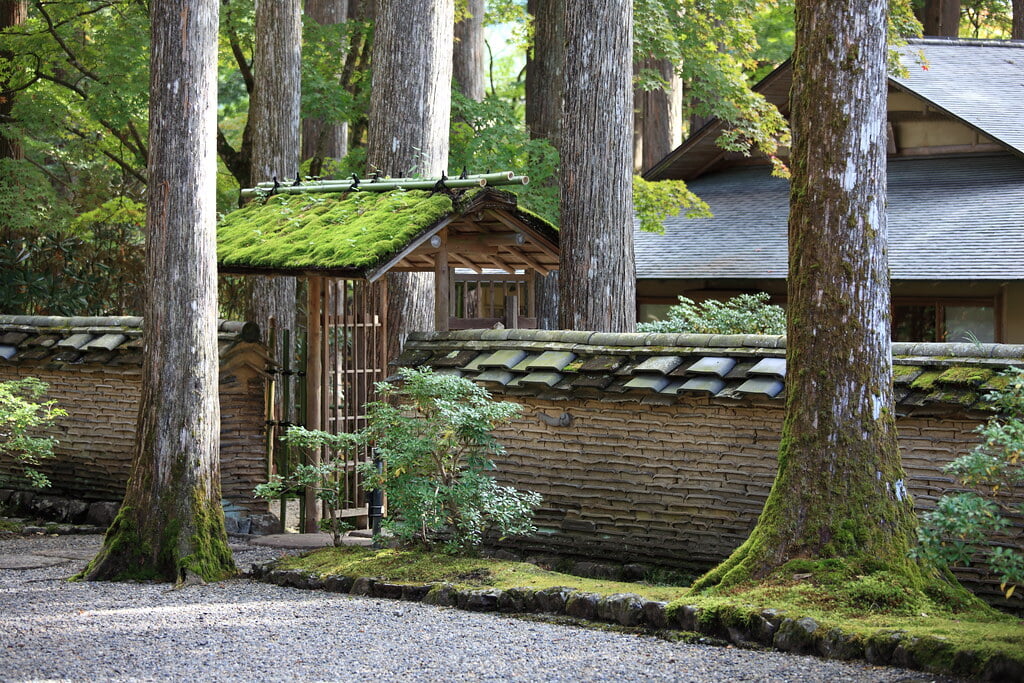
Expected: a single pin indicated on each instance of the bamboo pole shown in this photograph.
(491, 178)
(382, 186)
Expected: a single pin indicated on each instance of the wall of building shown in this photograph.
(679, 485)
(95, 450)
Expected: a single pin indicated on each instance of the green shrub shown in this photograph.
(434, 434)
(744, 314)
(327, 479)
(22, 416)
(975, 526)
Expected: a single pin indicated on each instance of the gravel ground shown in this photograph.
(240, 630)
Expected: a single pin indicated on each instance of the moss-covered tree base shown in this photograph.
(176, 553)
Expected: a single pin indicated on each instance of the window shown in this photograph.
(944, 321)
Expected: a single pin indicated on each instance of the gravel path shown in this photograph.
(244, 631)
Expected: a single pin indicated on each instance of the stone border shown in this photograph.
(757, 629)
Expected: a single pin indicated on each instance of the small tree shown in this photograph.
(22, 415)
(744, 314)
(975, 526)
(326, 478)
(434, 435)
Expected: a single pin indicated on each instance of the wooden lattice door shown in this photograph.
(352, 320)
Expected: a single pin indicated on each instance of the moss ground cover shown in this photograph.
(868, 607)
(872, 605)
(413, 566)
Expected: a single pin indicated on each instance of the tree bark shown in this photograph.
(170, 525)
(274, 122)
(468, 52)
(1017, 30)
(659, 117)
(598, 277)
(545, 80)
(325, 139)
(12, 13)
(940, 18)
(410, 109)
(839, 491)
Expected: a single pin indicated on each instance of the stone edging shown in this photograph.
(764, 628)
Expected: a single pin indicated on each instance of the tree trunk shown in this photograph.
(170, 525)
(12, 13)
(274, 122)
(410, 108)
(659, 117)
(940, 18)
(468, 52)
(598, 277)
(1017, 31)
(324, 139)
(545, 75)
(839, 491)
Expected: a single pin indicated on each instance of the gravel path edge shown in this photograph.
(762, 629)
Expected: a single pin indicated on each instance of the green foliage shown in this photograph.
(327, 479)
(491, 135)
(713, 46)
(22, 416)
(80, 74)
(434, 435)
(653, 202)
(976, 526)
(91, 266)
(744, 314)
(986, 18)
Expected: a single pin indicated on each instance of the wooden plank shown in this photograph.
(314, 369)
(442, 284)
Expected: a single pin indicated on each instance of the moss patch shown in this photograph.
(357, 230)
(411, 566)
(870, 605)
(926, 381)
(966, 376)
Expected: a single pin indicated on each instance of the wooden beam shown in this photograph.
(536, 239)
(496, 260)
(314, 372)
(519, 253)
(442, 283)
(467, 263)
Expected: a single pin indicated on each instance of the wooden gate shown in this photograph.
(348, 337)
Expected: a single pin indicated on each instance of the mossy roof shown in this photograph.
(347, 235)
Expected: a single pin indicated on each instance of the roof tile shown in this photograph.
(660, 365)
(711, 365)
(495, 376)
(505, 358)
(552, 361)
(75, 341)
(651, 382)
(548, 379)
(775, 367)
(762, 385)
(709, 385)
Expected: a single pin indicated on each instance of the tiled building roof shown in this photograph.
(112, 341)
(949, 219)
(980, 82)
(660, 368)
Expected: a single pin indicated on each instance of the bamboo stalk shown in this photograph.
(489, 177)
(384, 186)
